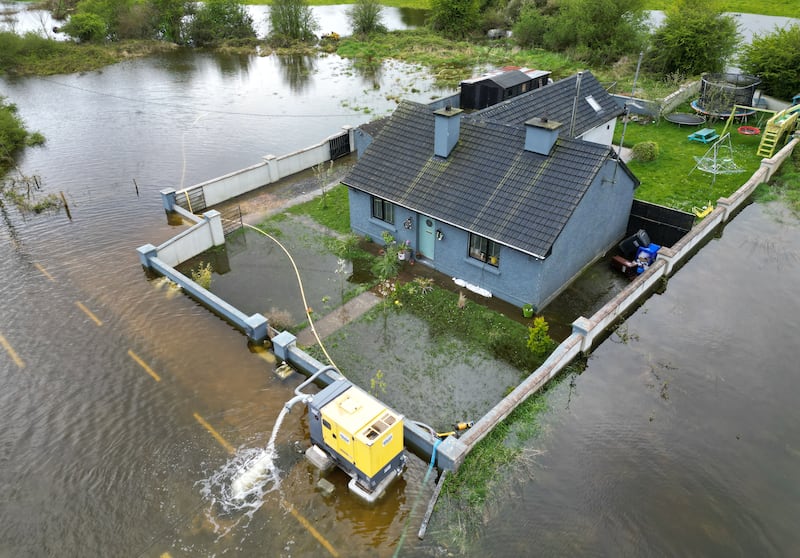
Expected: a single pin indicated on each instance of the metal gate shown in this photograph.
(231, 220)
(339, 146)
(192, 200)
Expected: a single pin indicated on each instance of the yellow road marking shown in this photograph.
(165, 555)
(224, 443)
(10, 350)
(43, 271)
(143, 364)
(307, 524)
(88, 312)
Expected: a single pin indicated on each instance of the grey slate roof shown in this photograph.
(556, 101)
(489, 185)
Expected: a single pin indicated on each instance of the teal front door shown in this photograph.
(427, 236)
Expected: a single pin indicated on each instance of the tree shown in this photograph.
(775, 58)
(292, 20)
(455, 19)
(86, 27)
(219, 20)
(96, 20)
(601, 31)
(167, 17)
(366, 17)
(597, 31)
(695, 38)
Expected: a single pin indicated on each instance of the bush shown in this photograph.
(366, 17)
(531, 27)
(86, 27)
(645, 151)
(598, 31)
(539, 341)
(775, 58)
(291, 20)
(455, 19)
(695, 38)
(219, 20)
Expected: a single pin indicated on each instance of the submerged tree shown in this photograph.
(366, 17)
(220, 20)
(292, 20)
(19, 189)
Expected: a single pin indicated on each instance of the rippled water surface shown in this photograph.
(121, 397)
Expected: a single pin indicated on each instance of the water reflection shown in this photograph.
(413, 17)
(233, 64)
(297, 70)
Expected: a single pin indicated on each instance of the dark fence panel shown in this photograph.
(339, 146)
(664, 226)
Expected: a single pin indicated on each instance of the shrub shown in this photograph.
(291, 20)
(455, 19)
(202, 275)
(539, 341)
(219, 20)
(694, 38)
(86, 27)
(775, 58)
(366, 17)
(645, 151)
(531, 27)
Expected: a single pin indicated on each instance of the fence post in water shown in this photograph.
(214, 220)
(145, 253)
(168, 199)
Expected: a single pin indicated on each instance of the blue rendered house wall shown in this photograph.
(604, 211)
(519, 278)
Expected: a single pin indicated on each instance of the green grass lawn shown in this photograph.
(670, 180)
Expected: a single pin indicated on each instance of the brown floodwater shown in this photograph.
(127, 407)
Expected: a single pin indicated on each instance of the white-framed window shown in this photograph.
(484, 250)
(383, 210)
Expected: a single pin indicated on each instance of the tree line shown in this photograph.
(695, 36)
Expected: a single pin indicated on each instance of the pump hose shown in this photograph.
(302, 292)
(416, 500)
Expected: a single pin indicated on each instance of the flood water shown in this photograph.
(122, 399)
(682, 437)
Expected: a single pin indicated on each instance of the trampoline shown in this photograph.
(725, 113)
(685, 119)
(721, 92)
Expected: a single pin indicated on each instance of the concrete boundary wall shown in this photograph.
(203, 235)
(588, 331)
(270, 170)
(207, 232)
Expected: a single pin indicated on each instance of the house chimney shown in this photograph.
(447, 125)
(541, 134)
